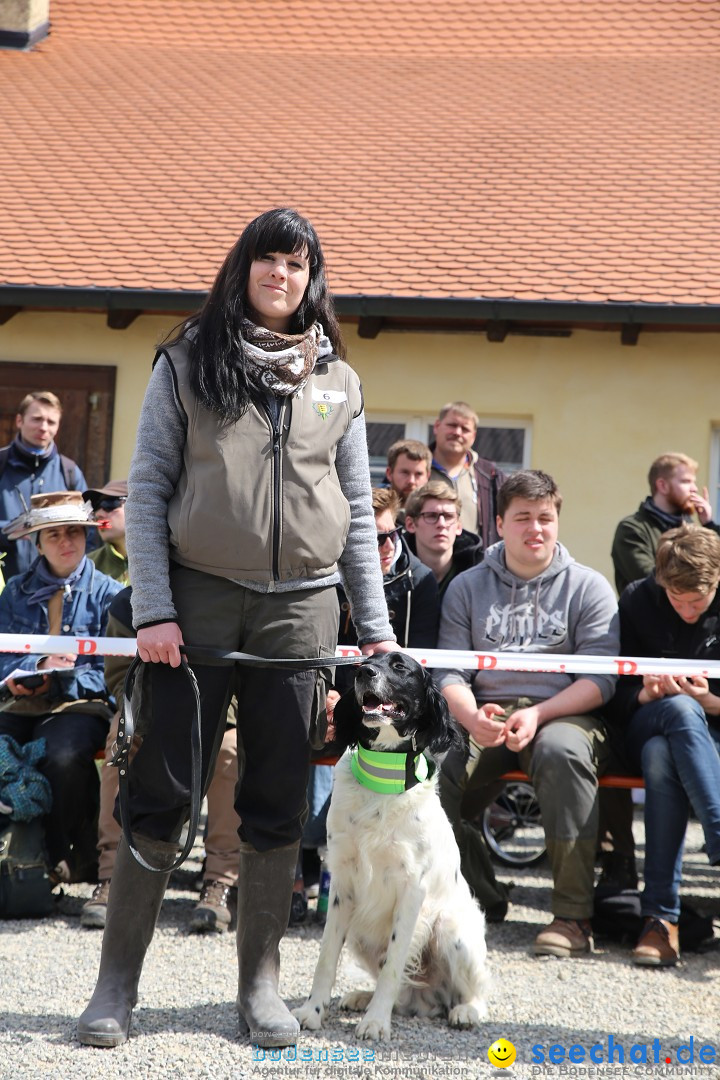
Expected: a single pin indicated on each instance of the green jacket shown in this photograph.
(634, 546)
(109, 560)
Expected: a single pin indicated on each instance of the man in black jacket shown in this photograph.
(670, 723)
(435, 534)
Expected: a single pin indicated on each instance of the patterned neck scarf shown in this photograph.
(49, 583)
(282, 363)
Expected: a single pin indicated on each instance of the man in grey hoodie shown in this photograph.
(529, 595)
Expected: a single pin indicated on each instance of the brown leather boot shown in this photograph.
(565, 937)
(658, 944)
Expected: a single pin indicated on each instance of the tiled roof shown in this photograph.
(561, 150)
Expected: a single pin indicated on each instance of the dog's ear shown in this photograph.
(442, 728)
(347, 719)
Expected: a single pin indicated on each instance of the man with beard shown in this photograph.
(673, 498)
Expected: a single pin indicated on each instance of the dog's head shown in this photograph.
(393, 701)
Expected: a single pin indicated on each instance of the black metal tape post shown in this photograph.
(126, 732)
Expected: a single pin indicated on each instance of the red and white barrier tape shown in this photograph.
(46, 645)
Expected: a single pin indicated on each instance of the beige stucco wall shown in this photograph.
(600, 411)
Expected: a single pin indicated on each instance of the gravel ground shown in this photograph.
(185, 1024)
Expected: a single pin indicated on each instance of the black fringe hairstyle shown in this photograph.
(217, 370)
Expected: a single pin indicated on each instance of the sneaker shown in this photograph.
(94, 910)
(658, 944)
(213, 913)
(565, 937)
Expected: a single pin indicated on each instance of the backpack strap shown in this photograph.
(69, 471)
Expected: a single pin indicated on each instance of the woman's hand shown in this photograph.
(160, 644)
(18, 690)
(380, 646)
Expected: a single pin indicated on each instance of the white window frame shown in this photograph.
(416, 426)
(714, 475)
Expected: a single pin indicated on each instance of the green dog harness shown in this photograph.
(389, 773)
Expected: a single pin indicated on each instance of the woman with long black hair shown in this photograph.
(249, 500)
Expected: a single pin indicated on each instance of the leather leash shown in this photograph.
(126, 733)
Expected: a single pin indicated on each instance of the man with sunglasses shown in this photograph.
(108, 505)
(410, 588)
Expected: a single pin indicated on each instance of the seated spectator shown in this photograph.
(410, 588)
(673, 499)
(32, 465)
(61, 594)
(408, 467)
(435, 534)
(529, 595)
(108, 505)
(672, 723)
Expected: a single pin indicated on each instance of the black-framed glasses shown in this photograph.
(433, 516)
(109, 503)
(383, 537)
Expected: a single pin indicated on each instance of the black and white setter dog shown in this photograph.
(397, 896)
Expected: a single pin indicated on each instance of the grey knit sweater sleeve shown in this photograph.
(154, 473)
(360, 561)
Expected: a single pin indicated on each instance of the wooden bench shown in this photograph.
(610, 780)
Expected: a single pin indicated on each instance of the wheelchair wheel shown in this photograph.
(512, 826)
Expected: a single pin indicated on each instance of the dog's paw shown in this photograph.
(465, 1016)
(310, 1016)
(356, 1000)
(373, 1028)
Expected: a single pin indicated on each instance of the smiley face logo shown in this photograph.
(501, 1054)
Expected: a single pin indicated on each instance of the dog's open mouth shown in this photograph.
(384, 711)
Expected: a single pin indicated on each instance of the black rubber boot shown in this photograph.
(264, 891)
(135, 899)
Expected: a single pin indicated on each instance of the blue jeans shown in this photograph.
(319, 791)
(679, 756)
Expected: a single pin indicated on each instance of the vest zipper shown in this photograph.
(276, 427)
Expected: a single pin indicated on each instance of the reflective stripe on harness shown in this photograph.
(387, 772)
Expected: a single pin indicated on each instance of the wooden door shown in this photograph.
(87, 393)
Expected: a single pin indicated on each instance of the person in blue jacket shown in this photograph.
(32, 465)
(61, 594)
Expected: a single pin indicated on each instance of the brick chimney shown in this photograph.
(23, 23)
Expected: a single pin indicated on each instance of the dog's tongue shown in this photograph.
(373, 705)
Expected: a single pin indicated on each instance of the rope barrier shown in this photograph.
(46, 645)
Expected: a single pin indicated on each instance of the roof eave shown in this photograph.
(445, 309)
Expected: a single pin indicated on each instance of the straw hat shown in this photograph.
(51, 509)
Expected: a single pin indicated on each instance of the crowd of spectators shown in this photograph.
(470, 559)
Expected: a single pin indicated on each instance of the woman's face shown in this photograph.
(276, 286)
(63, 547)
